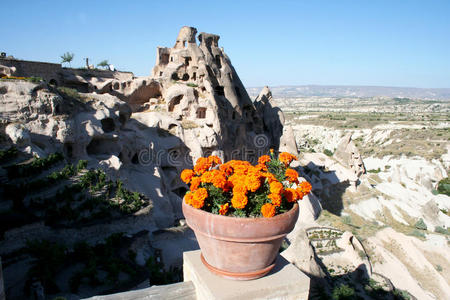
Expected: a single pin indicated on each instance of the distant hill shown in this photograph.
(293, 91)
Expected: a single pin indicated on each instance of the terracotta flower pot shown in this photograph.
(239, 248)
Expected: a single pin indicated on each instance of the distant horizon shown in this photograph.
(349, 85)
(346, 43)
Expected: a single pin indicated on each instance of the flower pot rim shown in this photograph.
(246, 219)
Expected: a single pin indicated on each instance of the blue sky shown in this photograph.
(387, 43)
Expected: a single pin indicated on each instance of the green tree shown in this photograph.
(103, 63)
(67, 58)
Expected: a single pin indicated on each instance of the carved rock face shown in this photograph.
(347, 154)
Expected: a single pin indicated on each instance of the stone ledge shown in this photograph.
(285, 281)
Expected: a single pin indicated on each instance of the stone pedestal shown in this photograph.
(285, 281)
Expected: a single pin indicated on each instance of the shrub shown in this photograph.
(82, 164)
(347, 220)
(70, 93)
(8, 154)
(191, 84)
(34, 79)
(420, 225)
(444, 186)
(439, 229)
(374, 171)
(417, 233)
(343, 292)
(439, 268)
(36, 167)
(401, 294)
(328, 152)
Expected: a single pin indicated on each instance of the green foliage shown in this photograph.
(82, 164)
(417, 233)
(420, 225)
(94, 180)
(49, 258)
(374, 171)
(401, 294)
(35, 79)
(441, 230)
(191, 84)
(439, 268)
(67, 57)
(328, 152)
(343, 291)
(103, 256)
(103, 64)
(51, 179)
(132, 255)
(69, 93)
(37, 166)
(277, 168)
(131, 201)
(8, 154)
(158, 275)
(444, 186)
(347, 220)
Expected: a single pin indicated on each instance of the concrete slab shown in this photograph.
(285, 281)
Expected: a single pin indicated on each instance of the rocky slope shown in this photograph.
(394, 223)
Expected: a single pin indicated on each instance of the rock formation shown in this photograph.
(197, 85)
(348, 155)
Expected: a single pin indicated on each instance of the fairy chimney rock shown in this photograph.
(186, 35)
(348, 155)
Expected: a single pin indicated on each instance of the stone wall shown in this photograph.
(24, 68)
(85, 80)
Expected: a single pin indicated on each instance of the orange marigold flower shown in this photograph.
(195, 183)
(253, 183)
(286, 158)
(263, 159)
(224, 209)
(291, 175)
(261, 167)
(276, 187)
(202, 165)
(214, 160)
(239, 200)
(235, 179)
(188, 198)
(268, 210)
(270, 177)
(240, 188)
(275, 198)
(300, 193)
(207, 177)
(228, 186)
(290, 195)
(219, 179)
(198, 199)
(186, 175)
(226, 168)
(305, 187)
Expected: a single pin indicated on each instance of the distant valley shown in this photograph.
(292, 91)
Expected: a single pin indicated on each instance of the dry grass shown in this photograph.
(188, 124)
(422, 275)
